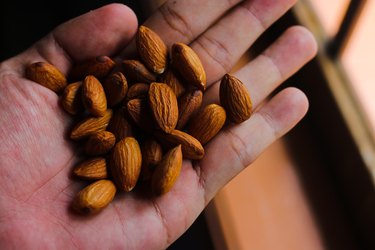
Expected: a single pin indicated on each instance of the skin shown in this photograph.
(36, 157)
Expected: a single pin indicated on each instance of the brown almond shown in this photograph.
(99, 67)
(93, 96)
(173, 80)
(135, 71)
(125, 163)
(187, 63)
(92, 169)
(152, 153)
(163, 106)
(235, 99)
(188, 105)
(91, 125)
(94, 197)
(207, 123)
(191, 147)
(71, 99)
(115, 88)
(119, 125)
(46, 75)
(167, 171)
(100, 143)
(140, 114)
(151, 49)
(138, 91)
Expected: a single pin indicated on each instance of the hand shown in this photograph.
(35, 190)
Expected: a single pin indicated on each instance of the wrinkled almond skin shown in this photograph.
(167, 171)
(91, 125)
(93, 96)
(119, 125)
(152, 153)
(187, 63)
(138, 91)
(235, 99)
(163, 106)
(99, 67)
(191, 147)
(207, 123)
(95, 197)
(71, 98)
(188, 105)
(125, 163)
(46, 75)
(115, 88)
(151, 49)
(136, 71)
(139, 112)
(173, 80)
(100, 143)
(92, 169)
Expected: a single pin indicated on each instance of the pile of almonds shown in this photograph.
(139, 120)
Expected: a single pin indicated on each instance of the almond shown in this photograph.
(99, 67)
(90, 126)
(46, 75)
(187, 63)
(100, 143)
(115, 88)
(163, 105)
(71, 99)
(152, 153)
(188, 105)
(139, 112)
(94, 197)
(235, 99)
(93, 96)
(119, 125)
(151, 49)
(92, 169)
(207, 123)
(166, 173)
(191, 147)
(138, 91)
(173, 80)
(136, 71)
(125, 163)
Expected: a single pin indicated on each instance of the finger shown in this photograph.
(238, 146)
(283, 58)
(103, 31)
(224, 43)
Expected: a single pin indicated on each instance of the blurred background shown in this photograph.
(312, 189)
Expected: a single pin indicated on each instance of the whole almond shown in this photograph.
(92, 169)
(100, 143)
(46, 75)
(138, 91)
(93, 96)
(152, 153)
(136, 71)
(173, 80)
(163, 106)
(188, 105)
(191, 147)
(115, 87)
(188, 64)
(235, 99)
(99, 67)
(94, 197)
(71, 98)
(140, 113)
(151, 49)
(207, 123)
(91, 125)
(119, 125)
(125, 163)
(167, 171)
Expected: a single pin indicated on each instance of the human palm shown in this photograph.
(36, 158)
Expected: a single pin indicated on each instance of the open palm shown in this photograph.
(36, 159)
